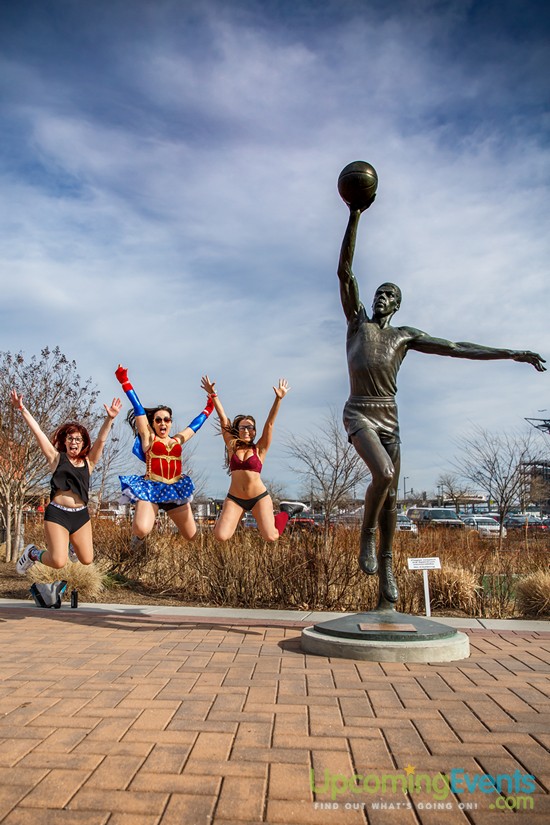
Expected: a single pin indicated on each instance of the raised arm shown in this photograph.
(50, 453)
(97, 447)
(210, 389)
(142, 425)
(477, 352)
(195, 425)
(349, 290)
(264, 441)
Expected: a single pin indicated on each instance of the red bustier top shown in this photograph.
(252, 463)
(164, 462)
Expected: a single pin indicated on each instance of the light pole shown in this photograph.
(405, 479)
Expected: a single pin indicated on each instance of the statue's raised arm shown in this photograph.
(349, 289)
(357, 185)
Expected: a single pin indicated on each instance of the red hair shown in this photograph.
(60, 436)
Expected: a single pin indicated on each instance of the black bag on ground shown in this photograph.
(48, 595)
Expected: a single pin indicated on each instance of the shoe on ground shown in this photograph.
(24, 562)
(72, 555)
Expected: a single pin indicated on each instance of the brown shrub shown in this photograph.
(533, 595)
(315, 570)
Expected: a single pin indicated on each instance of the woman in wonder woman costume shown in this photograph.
(164, 485)
(245, 456)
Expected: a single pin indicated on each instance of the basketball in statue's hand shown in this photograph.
(357, 184)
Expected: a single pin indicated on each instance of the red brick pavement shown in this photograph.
(112, 719)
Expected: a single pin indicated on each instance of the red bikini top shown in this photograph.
(251, 463)
(164, 462)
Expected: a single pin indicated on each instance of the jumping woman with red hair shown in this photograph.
(71, 457)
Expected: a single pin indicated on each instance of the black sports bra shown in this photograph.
(69, 477)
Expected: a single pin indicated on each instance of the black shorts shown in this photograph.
(170, 505)
(69, 518)
(247, 503)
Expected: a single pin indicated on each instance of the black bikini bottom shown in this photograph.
(247, 503)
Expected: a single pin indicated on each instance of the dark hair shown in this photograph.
(235, 441)
(150, 412)
(59, 438)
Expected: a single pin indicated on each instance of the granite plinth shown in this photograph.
(386, 636)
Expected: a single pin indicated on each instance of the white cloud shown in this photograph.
(180, 212)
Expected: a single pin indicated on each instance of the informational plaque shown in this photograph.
(428, 563)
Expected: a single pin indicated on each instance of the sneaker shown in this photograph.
(138, 545)
(72, 555)
(24, 562)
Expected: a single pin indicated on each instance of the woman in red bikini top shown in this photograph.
(247, 492)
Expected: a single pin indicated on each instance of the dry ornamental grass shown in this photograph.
(313, 570)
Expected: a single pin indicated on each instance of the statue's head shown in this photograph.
(387, 300)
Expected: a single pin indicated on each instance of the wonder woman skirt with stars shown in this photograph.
(138, 488)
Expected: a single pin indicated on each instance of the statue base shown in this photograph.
(384, 635)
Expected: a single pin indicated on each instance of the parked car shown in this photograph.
(436, 517)
(348, 519)
(484, 525)
(406, 525)
(524, 521)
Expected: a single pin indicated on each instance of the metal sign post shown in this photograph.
(425, 564)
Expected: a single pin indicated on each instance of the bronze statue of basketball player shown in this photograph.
(375, 351)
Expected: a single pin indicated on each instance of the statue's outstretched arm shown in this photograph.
(349, 290)
(477, 352)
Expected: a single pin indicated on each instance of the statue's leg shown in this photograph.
(376, 457)
(387, 521)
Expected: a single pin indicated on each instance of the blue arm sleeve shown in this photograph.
(135, 402)
(197, 422)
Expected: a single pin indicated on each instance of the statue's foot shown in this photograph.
(368, 561)
(388, 585)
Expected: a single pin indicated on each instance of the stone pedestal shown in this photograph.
(386, 636)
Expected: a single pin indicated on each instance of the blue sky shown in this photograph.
(168, 176)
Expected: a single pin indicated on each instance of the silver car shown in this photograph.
(405, 525)
(485, 526)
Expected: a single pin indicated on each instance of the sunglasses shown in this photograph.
(246, 427)
(165, 420)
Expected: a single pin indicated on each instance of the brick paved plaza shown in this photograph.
(113, 718)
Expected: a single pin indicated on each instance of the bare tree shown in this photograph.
(275, 490)
(55, 393)
(328, 464)
(105, 483)
(495, 463)
(453, 489)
